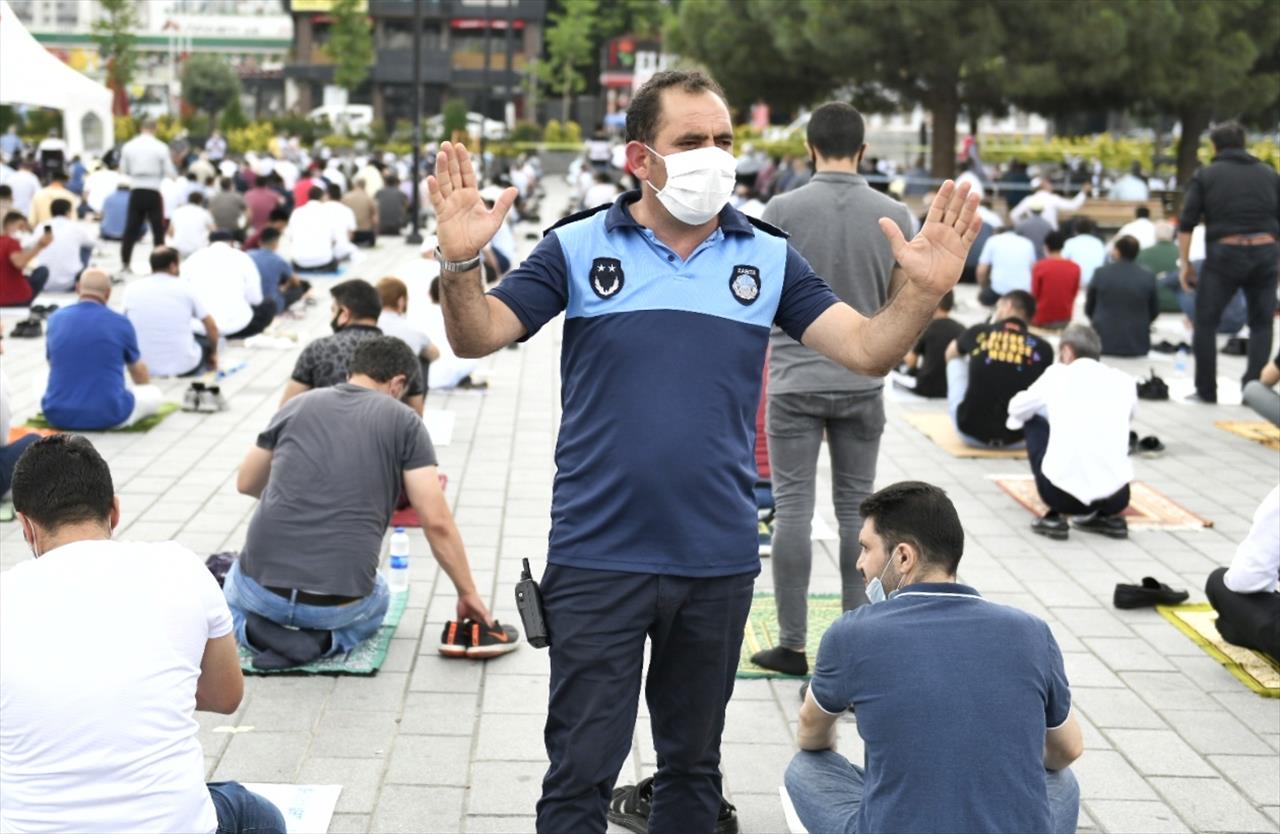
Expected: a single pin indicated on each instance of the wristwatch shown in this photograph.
(456, 266)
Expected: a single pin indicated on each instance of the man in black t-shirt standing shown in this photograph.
(989, 363)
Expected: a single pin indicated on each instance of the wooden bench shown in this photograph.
(1110, 215)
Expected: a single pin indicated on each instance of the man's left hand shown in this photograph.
(933, 260)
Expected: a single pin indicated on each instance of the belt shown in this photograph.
(308, 598)
(1260, 239)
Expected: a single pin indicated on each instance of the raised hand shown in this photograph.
(463, 224)
(934, 258)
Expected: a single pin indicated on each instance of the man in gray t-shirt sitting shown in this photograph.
(328, 470)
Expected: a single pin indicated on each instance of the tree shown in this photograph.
(733, 39)
(113, 32)
(570, 46)
(208, 83)
(350, 43)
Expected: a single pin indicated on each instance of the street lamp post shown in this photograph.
(414, 235)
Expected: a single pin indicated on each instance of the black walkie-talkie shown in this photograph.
(529, 604)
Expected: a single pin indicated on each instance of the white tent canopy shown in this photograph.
(31, 75)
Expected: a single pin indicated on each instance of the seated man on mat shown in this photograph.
(89, 347)
(165, 311)
(313, 237)
(1246, 595)
(989, 363)
(227, 283)
(307, 583)
(327, 360)
(99, 697)
(279, 283)
(1076, 417)
(963, 704)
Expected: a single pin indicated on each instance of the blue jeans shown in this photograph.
(351, 623)
(9, 455)
(242, 811)
(826, 791)
(957, 387)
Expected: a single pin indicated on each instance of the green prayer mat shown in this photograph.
(145, 424)
(364, 659)
(1253, 669)
(762, 630)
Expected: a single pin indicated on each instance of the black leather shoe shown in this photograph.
(1113, 526)
(1052, 525)
(1149, 593)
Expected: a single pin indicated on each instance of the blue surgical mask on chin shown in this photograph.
(875, 588)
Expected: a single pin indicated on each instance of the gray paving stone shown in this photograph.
(383, 691)
(429, 760)
(262, 757)
(1168, 690)
(439, 714)
(356, 734)
(1115, 708)
(360, 780)
(1211, 805)
(1084, 669)
(1135, 817)
(512, 738)
(1159, 753)
(1261, 715)
(516, 694)
(1104, 774)
(1257, 776)
(349, 824)
(505, 788)
(415, 809)
(474, 824)
(1127, 654)
(760, 813)
(1216, 732)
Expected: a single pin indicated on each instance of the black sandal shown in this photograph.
(630, 807)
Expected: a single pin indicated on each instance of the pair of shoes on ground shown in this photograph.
(1147, 447)
(43, 311)
(28, 328)
(631, 804)
(205, 399)
(1149, 594)
(468, 638)
(1055, 526)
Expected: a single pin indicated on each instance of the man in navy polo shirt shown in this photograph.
(963, 704)
(669, 295)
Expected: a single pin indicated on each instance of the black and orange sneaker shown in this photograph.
(456, 638)
(486, 641)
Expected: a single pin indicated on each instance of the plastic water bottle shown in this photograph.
(1180, 363)
(398, 572)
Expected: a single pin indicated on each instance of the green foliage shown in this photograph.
(570, 46)
(350, 43)
(9, 116)
(642, 18)
(251, 137)
(113, 32)
(197, 124)
(209, 83)
(125, 128)
(233, 116)
(293, 124)
(526, 132)
(553, 132)
(455, 118)
(572, 133)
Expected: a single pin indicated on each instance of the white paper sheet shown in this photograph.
(307, 809)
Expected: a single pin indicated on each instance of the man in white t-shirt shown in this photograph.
(1005, 265)
(65, 258)
(312, 235)
(99, 730)
(228, 285)
(98, 186)
(190, 225)
(344, 222)
(164, 310)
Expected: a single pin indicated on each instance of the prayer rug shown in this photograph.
(1259, 431)
(408, 517)
(1254, 669)
(16, 433)
(1148, 508)
(364, 659)
(307, 809)
(145, 424)
(762, 630)
(937, 426)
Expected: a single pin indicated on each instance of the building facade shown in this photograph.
(460, 38)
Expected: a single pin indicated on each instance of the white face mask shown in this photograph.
(699, 183)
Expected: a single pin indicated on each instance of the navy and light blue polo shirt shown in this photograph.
(661, 368)
(953, 695)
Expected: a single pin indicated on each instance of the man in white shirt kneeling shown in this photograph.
(1076, 417)
(98, 701)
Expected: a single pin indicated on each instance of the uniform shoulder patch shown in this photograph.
(768, 228)
(575, 217)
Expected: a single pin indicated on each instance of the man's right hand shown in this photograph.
(463, 224)
(1187, 278)
(472, 607)
(44, 240)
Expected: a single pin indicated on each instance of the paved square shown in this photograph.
(1173, 742)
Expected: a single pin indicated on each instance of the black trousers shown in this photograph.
(1227, 268)
(1249, 620)
(144, 205)
(1058, 500)
(263, 314)
(598, 622)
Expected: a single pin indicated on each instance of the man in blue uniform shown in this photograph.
(669, 295)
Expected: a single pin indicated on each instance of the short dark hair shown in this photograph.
(434, 291)
(6, 191)
(390, 181)
(645, 111)
(383, 357)
(836, 130)
(195, 198)
(335, 193)
(1227, 136)
(948, 301)
(1127, 246)
(919, 514)
(270, 234)
(278, 214)
(57, 175)
(12, 217)
(315, 192)
(1023, 302)
(358, 296)
(163, 258)
(1142, 211)
(1055, 240)
(1083, 225)
(221, 236)
(226, 184)
(60, 207)
(61, 479)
